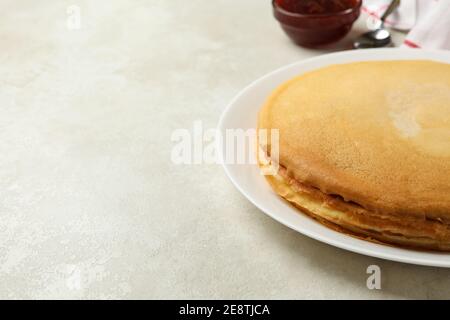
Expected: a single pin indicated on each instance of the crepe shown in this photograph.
(365, 148)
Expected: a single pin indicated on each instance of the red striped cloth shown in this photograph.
(428, 21)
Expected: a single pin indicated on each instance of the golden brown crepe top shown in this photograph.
(376, 133)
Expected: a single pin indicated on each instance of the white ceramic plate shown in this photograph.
(242, 114)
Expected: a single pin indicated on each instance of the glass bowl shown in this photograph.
(314, 30)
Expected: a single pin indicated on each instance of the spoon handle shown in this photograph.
(394, 5)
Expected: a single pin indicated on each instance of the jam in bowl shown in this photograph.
(314, 23)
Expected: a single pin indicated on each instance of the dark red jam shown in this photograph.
(316, 6)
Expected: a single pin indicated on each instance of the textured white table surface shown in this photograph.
(91, 205)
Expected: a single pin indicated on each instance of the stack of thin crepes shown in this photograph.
(364, 148)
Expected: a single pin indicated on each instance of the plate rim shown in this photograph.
(371, 251)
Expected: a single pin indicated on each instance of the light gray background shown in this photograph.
(91, 205)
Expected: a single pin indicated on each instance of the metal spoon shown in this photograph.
(379, 37)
